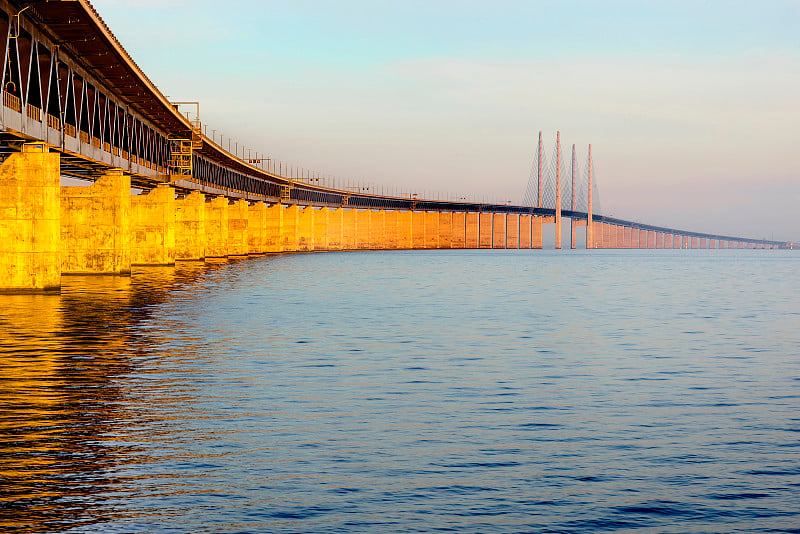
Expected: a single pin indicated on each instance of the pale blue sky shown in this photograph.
(691, 107)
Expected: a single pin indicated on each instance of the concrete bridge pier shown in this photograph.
(512, 230)
(217, 227)
(498, 230)
(238, 218)
(30, 212)
(190, 227)
(405, 229)
(95, 226)
(459, 230)
(153, 227)
(321, 233)
(257, 228)
(305, 229)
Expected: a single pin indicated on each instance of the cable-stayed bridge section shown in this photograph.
(76, 104)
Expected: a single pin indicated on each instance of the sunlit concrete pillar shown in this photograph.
(321, 232)
(274, 229)
(712, 243)
(459, 230)
(485, 230)
(238, 218)
(362, 229)
(524, 231)
(512, 230)
(305, 229)
(703, 243)
(498, 230)
(536, 232)
(289, 228)
(217, 229)
(335, 221)
(642, 238)
(694, 242)
(95, 226)
(350, 229)
(445, 229)
(256, 228)
(659, 239)
(472, 230)
(628, 237)
(390, 226)
(431, 229)
(405, 229)
(418, 229)
(190, 227)
(377, 229)
(153, 227)
(30, 213)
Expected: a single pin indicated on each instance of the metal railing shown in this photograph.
(34, 113)
(12, 102)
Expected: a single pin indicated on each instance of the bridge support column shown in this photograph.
(472, 230)
(335, 229)
(536, 233)
(703, 242)
(485, 230)
(95, 226)
(525, 231)
(363, 220)
(405, 229)
(30, 213)
(257, 228)
(349, 229)
(712, 243)
(659, 239)
(321, 231)
(445, 229)
(642, 238)
(289, 228)
(153, 227)
(418, 229)
(274, 229)
(390, 228)
(694, 242)
(377, 229)
(512, 230)
(459, 230)
(217, 228)
(431, 229)
(305, 229)
(190, 227)
(651, 239)
(498, 230)
(238, 216)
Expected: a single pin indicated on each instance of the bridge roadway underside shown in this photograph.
(47, 230)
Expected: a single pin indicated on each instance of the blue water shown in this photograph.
(409, 391)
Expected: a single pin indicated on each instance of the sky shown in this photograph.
(692, 107)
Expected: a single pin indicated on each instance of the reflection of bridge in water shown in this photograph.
(75, 104)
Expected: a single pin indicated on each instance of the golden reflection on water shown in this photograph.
(61, 359)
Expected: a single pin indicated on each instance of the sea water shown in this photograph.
(408, 391)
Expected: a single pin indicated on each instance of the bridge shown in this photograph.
(76, 104)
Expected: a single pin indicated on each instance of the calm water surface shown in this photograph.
(418, 391)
